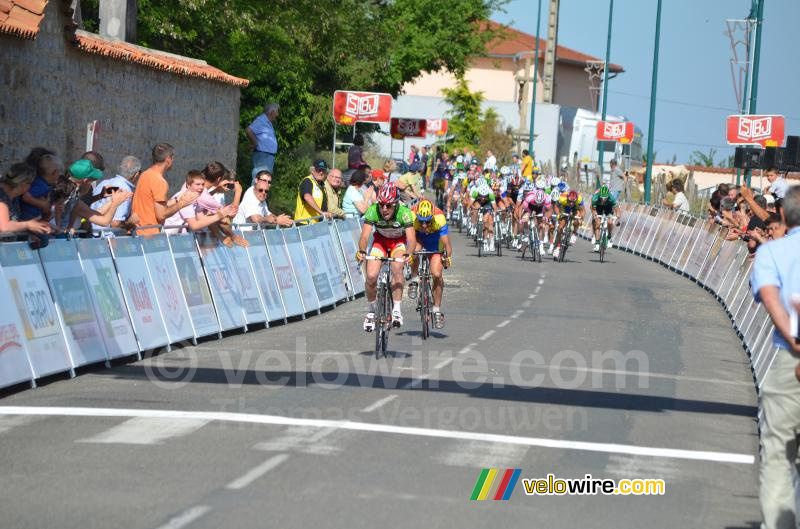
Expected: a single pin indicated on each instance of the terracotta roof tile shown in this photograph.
(21, 17)
(513, 41)
(124, 51)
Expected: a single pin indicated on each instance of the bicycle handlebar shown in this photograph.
(386, 259)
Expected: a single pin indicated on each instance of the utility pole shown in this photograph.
(756, 63)
(652, 125)
(535, 75)
(602, 145)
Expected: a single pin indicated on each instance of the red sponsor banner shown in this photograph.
(437, 127)
(621, 131)
(367, 107)
(766, 131)
(408, 128)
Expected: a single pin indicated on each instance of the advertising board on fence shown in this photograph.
(349, 231)
(64, 275)
(302, 273)
(284, 275)
(137, 288)
(173, 306)
(331, 252)
(104, 287)
(14, 364)
(264, 274)
(194, 285)
(223, 282)
(714, 248)
(250, 295)
(323, 266)
(44, 338)
(707, 234)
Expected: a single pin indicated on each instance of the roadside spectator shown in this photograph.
(127, 174)
(390, 171)
(190, 215)
(261, 135)
(413, 156)
(669, 198)
(408, 184)
(355, 155)
(13, 184)
(423, 159)
(36, 201)
(218, 181)
(775, 278)
(68, 190)
(775, 226)
(96, 158)
(617, 180)
(333, 184)
(778, 186)
(354, 202)
(150, 198)
(491, 161)
(254, 209)
(35, 155)
(311, 198)
(680, 202)
(527, 164)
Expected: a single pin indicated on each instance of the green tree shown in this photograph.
(701, 158)
(494, 136)
(465, 115)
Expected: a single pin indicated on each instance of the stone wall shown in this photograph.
(51, 90)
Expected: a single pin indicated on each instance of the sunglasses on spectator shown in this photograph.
(260, 190)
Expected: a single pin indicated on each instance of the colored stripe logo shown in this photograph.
(506, 483)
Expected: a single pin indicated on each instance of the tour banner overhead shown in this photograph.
(366, 107)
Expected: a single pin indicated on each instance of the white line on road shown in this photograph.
(517, 314)
(538, 288)
(186, 517)
(532, 296)
(467, 348)
(257, 472)
(486, 335)
(541, 281)
(251, 418)
(443, 363)
(503, 324)
(138, 431)
(527, 304)
(378, 403)
(417, 382)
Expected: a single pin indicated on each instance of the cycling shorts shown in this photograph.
(513, 195)
(604, 209)
(386, 247)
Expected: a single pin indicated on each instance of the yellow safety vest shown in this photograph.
(301, 209)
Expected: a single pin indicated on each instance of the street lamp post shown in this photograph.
(652, 125)
(756, 62)
(601, 145)
(535, 69)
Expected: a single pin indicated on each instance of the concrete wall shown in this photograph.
(51, 90)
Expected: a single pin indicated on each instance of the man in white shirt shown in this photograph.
(253, 208)
(778, 186)
(491, 161)
(680, 202)
(263, 141)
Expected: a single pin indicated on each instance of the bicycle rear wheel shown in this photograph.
(424, 307)
(603, 241)
(381, 339)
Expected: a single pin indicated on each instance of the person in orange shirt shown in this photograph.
(150, 198)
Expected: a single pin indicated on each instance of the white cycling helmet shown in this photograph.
(459, 159)
(541, 183)
(538, 197)
(555, 181)
(505, 170)
(555, 195)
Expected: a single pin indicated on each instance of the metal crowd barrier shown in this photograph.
(83, 301)
(698, 249)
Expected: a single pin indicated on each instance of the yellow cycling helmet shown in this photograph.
(425, 210)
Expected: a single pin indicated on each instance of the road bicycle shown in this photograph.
(563, 236)
(500, 232)
(533, 241)
(383, 303)
(425, 291)
(603, 239)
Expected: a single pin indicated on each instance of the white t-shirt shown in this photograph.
(491, 162)
(779, 187)
(250, 205)
(681, 202)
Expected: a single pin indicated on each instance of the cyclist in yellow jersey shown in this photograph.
(568, 204)
(431, 229)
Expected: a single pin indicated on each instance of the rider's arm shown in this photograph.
(448, 246)
(411, 239)
(366, 231)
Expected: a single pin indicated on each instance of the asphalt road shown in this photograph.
(299, 426)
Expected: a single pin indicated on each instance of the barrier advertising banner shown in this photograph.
(686, 244)
(336, 245)
(14, 364)
(264, 275)
(724, 260)
(321, 273)
(349, 230)
(158, 256)
(332, 253)
(104, 287)
(662, 248)
(194, 285)
(47, 347)
(254, 311)
(284, 275)
(705, 239)
(714, 249)
(139, 294)
(294, 245)
(223, 282)
(64, 275)
(675, 239)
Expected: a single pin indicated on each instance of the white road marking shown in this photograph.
(466, 349)
(538, 288)
(251, 418)
(8, 423)
(532, 296)
(527, 304)
(417, 382)
(378, 403)
(257, 472)
(186, 517)
(541, 281)
(477, 455)
(486, 335)
(144, 431)
(443, 363)
(517, 314)
(302, 439)
(503, 324)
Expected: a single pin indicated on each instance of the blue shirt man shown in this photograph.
(263, 141)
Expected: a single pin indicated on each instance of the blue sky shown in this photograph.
(694, 63)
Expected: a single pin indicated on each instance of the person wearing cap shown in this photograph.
(311, 198)
(408, 184)
(81, 179)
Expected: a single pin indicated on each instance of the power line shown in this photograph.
(694, 144)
